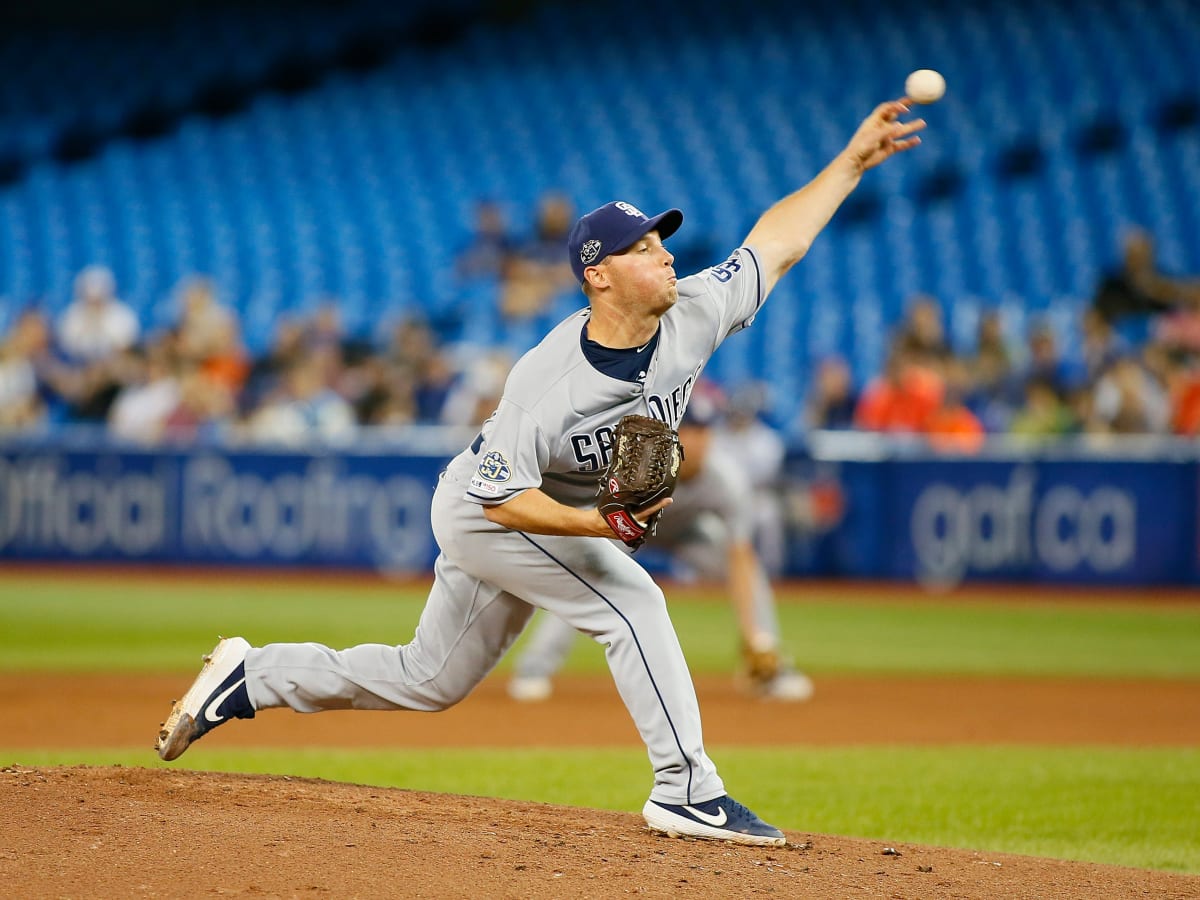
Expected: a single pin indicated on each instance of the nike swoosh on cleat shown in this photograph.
(717, 821)
(210, 710)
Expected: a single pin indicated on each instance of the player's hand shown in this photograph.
(646, 513)
(882, 135)
(643, 516)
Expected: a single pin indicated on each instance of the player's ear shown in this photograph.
(596, 276)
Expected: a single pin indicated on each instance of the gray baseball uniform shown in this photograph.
(552, 430)
(710, 511)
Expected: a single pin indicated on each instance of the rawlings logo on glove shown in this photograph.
(644, 470)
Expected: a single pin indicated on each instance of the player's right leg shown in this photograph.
(596, 588)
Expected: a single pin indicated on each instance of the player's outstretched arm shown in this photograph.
(784, 233)
(536, 512)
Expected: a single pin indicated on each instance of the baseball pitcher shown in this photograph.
(525, 517)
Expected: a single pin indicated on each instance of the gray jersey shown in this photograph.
(554, 425)
(552, 431)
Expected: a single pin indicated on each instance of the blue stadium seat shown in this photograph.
(364, 186)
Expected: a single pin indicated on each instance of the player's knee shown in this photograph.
(647, 613)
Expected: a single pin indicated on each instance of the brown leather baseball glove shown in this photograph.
(644, 469)
(762, 663)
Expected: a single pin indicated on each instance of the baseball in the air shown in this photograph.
(925, 86)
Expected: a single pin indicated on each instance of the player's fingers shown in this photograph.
(906, 144)
(903, 129)
(646, 512)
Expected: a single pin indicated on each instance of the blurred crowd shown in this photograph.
(196, 382)
(1137, 371)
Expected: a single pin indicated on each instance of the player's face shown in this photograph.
(644, 274)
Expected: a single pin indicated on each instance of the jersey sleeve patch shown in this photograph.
(492, 472)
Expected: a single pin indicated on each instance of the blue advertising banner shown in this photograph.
(265, 509)
(1077, 520)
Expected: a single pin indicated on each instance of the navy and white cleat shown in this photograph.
(720, 819)
(217, 695)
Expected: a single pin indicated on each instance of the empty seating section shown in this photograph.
(362, 185)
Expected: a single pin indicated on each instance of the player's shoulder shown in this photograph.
(739, 265)
(549, 363)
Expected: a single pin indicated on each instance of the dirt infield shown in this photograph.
(108, 832)
(45, 710)
(113, 832)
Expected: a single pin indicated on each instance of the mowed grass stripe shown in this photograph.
(125, 622)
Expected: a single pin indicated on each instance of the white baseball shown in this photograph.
(925, 86)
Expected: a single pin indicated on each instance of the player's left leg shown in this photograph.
(466, 627)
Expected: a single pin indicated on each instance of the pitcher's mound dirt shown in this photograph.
(118, 832)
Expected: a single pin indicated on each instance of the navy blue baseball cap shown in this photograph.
(613, 228)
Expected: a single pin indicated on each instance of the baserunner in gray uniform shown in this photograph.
(709, 528)
(514, 515)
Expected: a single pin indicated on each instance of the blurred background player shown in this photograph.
(709, 529)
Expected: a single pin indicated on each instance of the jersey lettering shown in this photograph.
(593, 451)
(669, 407)
(727, 269)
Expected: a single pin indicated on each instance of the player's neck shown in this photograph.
(619, 331)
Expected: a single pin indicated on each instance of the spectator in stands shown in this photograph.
(1178, 373)
(540, 272)
(21, 406)
(1184, 386)
(203, 320)
(326, 328)
(1128, 399)
(990, 392)
(476, 394)
(832, 400)
(203, 412)
(209, 336)
(435, 380)
(1044, 414)
(1179, 330)
(140, 409)
(491, 249)
(267, 372)
(306, 409)
(388, 398)
(93, 333)
(1138, 286)
(1045, 363)
(921, 336)
(902, 399)
(952, 427)
(414, 352)
(96, 325)
(1102, 346)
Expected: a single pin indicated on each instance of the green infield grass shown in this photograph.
(130, 622)
(1134, 807)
